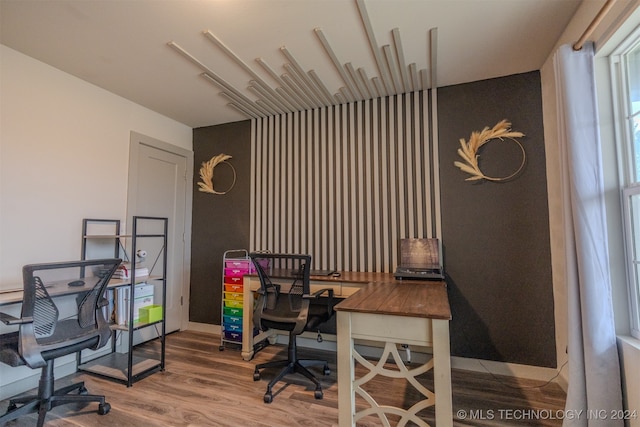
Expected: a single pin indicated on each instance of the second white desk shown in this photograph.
(348, 283)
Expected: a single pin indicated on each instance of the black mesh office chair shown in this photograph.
(286, 303)
(47, 330)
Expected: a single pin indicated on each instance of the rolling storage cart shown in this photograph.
(235, 264)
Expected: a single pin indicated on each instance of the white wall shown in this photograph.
(64, 153)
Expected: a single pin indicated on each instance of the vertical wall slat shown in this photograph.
(331, 196)
(427, 160)
(436, 168)
(360, 196)
(353, 226)
(409, 176)
(344, 201)
(419, 167)
(264, 182)
(317, 188)
(394, 200)
(304, 166)
(297, 195)
(368, 208)
(277, 191)
(384, 162)
(345, 183)
(400, 169)
(339, 212)
(255, 178)
(294, 221)
(375, 190)
(252, 185)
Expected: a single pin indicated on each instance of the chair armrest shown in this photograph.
(319, 292)
(8, 319)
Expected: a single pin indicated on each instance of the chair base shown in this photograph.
(295, 366)
(45, 400)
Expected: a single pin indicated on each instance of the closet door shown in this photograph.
(158, 177)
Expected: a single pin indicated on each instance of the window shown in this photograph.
(626, 85)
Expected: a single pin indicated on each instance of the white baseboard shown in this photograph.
(421, 355)
(204, 327)
(508, 369)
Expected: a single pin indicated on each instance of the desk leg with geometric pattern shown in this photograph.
(392, 330)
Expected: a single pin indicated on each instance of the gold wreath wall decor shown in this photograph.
(206, 174)
(469, 151)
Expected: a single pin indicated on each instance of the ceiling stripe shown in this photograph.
(300, 90)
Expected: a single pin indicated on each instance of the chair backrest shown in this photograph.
(66, 301)
(284, 287)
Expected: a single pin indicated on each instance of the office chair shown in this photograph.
(50, 328)
(286, 303)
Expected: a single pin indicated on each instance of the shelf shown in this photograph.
(116, 366)
(136, 326)
(106, 236)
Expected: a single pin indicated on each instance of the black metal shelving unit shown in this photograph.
(148, 233)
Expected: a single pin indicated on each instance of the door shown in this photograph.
(158, 177)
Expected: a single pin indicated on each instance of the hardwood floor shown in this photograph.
(203, 386)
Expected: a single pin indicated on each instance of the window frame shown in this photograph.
(633, 278)
(629, 178)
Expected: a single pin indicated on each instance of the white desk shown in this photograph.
(380, 308)
(348, 283)
(395, 312)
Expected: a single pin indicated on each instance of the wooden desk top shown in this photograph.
(383, 294)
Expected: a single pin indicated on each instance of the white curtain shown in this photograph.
(594, 372)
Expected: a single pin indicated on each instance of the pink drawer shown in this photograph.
(235, 272)
(231, 280)
(238, 264)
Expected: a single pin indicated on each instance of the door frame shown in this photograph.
(136, 141)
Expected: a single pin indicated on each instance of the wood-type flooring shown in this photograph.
(202, 386)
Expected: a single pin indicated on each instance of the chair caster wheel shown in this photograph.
(83, 391)
(256, 376)
(221, 348)
(268, 397)
(326, 370)
(104, 408)
(318, 394)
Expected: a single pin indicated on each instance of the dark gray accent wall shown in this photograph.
(220, 222)
(496, 235)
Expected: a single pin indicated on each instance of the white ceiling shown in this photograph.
(122, 45)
